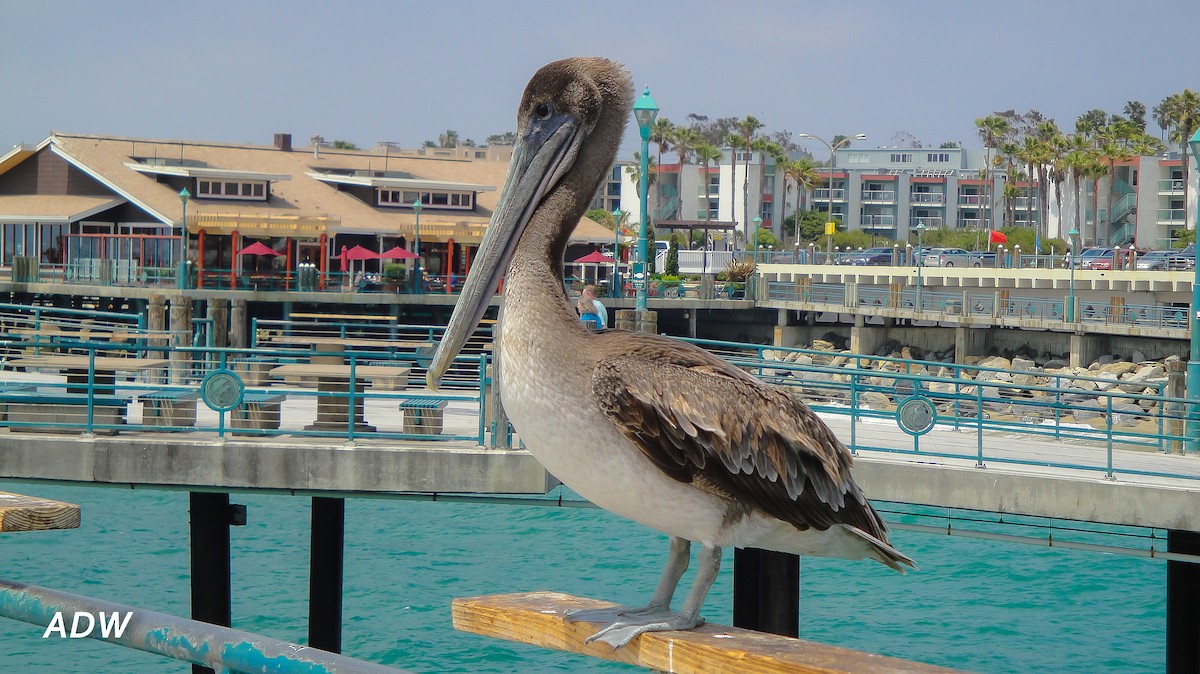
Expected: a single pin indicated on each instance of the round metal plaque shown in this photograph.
(916, 415)
(222, 390)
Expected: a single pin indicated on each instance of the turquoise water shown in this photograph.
(975, 605)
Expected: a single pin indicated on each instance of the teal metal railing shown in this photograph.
(1100, 414)
(1101, 417)
(994, 305)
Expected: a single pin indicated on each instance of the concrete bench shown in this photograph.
(389, 382)
(46, 412)
(258, 412)
(423, 416)
(169, 407)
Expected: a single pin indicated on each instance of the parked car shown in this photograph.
(1184, 258)
(881, 256)
(1096, 258)
(957, 257)
(1154, 260)
(1085, 256)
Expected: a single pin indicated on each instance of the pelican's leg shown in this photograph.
(622, 631)
(677, 562)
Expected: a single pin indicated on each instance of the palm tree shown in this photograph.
(992, 129)
(747, 127)
(706, 153)
(660, 135)
(804, 173)
(1136, 112)
(1182, 117)
(1077, 161)
(685, 139)
(764, 147)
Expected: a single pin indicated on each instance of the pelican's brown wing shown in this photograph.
(704, 422)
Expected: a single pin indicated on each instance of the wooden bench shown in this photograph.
(31, 411)
(258, 412)
(423, 416)
(169, 407)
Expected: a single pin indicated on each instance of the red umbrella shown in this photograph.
(258, 248)
(595, 257)
(398, 253)
(359, 253)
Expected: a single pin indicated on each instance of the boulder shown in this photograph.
(1023, 364)
(1118, 368)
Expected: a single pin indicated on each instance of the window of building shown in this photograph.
(938, 157)
(858, 158)
(255, 190)
(901, 157)
(405, 199)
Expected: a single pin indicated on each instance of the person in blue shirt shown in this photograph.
(587, 313)
(598, 308)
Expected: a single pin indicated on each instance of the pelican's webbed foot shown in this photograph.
(623, 630)
(611, 614)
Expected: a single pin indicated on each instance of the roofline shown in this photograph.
(81, 215)
(198, 172)
(58, 150)
(372, 181)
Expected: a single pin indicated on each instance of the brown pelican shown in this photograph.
(655, 430)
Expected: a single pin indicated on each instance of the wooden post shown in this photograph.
(327, 542)
(30, 513)
(537, 618)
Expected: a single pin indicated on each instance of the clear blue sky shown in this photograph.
(405, 71)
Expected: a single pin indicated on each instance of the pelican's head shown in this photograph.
(569, 126)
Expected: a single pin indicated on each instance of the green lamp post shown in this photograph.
(1193, 366)
(920, 229)
(615, 287)
(644, 111)
(181, 273)
(1074, 236)
(416, 207)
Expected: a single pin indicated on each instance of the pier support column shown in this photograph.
(766, 591)
(181, 336)
(327, 541)
(865, 340)
(1085, 349)
(1183, 604)
(218, 316)
(637, 321)
(969, 342)
(211, 594)
(237, 325)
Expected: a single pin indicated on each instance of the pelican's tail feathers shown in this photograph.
(882, 551)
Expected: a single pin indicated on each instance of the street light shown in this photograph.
(180, 280)
(416, 207)
(1074, 236)
(833, 148)
(1193, 366)
(616, 277)
(644, 111)
(920, 261)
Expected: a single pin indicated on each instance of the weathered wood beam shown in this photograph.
(30, 513)
(537, 618)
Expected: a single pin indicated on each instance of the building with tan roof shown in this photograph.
(73, 200)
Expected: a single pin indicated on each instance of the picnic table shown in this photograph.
(334, 387)
(76, 368)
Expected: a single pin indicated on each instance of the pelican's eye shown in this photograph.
(543, 111)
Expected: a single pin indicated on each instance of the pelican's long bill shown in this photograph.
(541, 157)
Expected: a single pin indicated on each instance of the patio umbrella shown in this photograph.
(360, 253)
(342, 257)
(597, 258)
(258, 248)
(398, 253)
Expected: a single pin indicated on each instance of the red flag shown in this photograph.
(996, 237)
